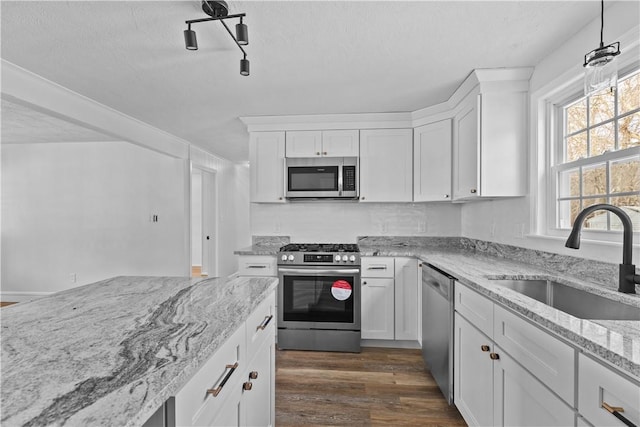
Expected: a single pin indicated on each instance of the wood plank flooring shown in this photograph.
(6, 303)
(379, 386)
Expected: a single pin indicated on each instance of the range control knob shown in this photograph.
(290, 257)
(284, 257)
(352, 258)
(345, 258)
(337, 258)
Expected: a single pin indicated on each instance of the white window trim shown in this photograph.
(544, 133)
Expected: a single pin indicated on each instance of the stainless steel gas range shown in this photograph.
(319, 297)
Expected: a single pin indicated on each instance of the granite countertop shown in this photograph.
(258, 249)
(110, 353)
(618, 342)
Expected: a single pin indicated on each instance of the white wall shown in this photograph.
(342, 222)
(196, 217)
(517, 217)
(233, 214)
(84, 209)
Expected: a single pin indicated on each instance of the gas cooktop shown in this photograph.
(319, 254)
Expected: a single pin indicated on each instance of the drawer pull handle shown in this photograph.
(615, 411)
(256, 266)
(264, 323)
(216, 391)
(494, 356)
(484, 347)
(382, 267)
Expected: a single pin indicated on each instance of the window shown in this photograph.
(598, 157)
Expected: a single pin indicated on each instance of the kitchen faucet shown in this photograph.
(628, 277)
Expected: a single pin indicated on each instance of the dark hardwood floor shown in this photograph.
(379, 386)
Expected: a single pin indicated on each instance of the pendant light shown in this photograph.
(219, 11)
(600, 65)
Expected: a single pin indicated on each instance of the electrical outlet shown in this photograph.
(422, 226)
(73, 277)
(384, 227)
(153, 218)
(492, 230)
(519, 230)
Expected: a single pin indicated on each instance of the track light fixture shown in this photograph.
(219, 11)
(600, 66)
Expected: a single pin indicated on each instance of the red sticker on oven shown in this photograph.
(341, 290)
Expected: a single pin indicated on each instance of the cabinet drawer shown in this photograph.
(261, 325)
(550, 360)
(598, 384)
(377, 267)
(477, 309)
(257, 265)
(193, 402)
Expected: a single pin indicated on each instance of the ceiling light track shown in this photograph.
(218, 11)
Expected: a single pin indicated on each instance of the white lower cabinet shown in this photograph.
(510, 373)
(235, 387)
(601, 386)
(257, 265)
(390, 299)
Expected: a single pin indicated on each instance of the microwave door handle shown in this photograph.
(340, 168)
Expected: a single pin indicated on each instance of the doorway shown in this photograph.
(203, 223)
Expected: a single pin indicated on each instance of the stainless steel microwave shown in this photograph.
(322, 178)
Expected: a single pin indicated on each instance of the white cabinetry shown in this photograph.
(325, 143)
(390, 298)
(235, 387)
(491, 388)
(490, 141)
(386, 165)
(266, 158)
(257, 265)
(601, 385)
(432, 145)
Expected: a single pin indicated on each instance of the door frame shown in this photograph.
(209, 219)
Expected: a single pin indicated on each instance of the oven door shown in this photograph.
(319, 298)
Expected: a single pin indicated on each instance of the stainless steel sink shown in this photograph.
(577, 302)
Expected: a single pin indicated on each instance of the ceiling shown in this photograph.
(307, 57)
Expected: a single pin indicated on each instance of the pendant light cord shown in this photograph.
(601, 22)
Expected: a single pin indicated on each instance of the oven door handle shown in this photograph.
(315, 272)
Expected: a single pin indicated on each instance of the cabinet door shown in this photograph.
(466, 145)
(305, 143)
(406, 299)
(341, 143)
(377, 309)
(257, 265)
(521, 400)
(256, 402)
(386, 165)
(266, 157)
(473, 374)
(432, 147)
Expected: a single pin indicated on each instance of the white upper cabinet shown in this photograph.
(386, 165)
(326, 143)
(266, 157)
(432, 162)
(490, 141)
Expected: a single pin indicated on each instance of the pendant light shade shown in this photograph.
(190, 41)
(242, 33)
(600, 65)
(244, 67)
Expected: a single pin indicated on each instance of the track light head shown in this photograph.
(190, 41)
(242, 33)
(244, 66)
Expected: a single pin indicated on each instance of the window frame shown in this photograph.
(555, 124)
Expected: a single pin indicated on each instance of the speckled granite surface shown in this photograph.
(264, 245)
(618, 342)
(110, 353)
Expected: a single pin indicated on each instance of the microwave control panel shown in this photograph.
(348, 178)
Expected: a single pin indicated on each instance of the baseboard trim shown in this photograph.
(8, 296)
(390, 343)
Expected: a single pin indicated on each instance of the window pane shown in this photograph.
(594, 180)
(596, 220)
(567, 212)
(603, 139)
(629, 94)
(631, 206)
(576, 147)
(625, 175)
(569, 183)
(601, 106)
(629, 131)
(576, 116)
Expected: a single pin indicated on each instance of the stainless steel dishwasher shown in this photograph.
(437, 326)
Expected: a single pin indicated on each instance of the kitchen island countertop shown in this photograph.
(110, 353)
